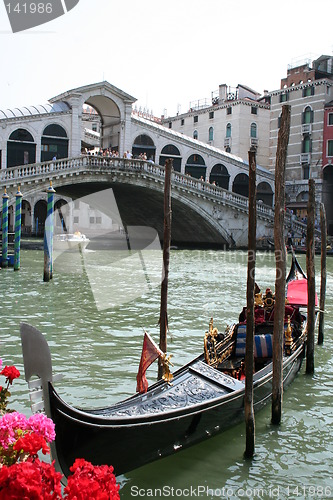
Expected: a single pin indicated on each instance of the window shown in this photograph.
(254, 110)
(211, 134)
(92, 220)
(170, 124)
(306, 171)
(306, 144)
(182, 121)
(94, 127)
(211, 115)
(330, 148)
(76, 220)
(228, 130)
(98, 220)
(307, 115)
(253, 130)
(195, 134)
(195, 119)
(284, 97)
(330, 118)
(229, 110)
(308, 91)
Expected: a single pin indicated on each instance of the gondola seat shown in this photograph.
(263, 344)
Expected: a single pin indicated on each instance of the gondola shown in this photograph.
(205, 397)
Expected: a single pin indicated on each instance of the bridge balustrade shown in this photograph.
(15, 175)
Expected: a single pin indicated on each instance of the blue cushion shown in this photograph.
(263, 344)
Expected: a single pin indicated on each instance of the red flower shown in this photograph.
(33, 480)
(10, 372)
(88, 481)
(31, 443)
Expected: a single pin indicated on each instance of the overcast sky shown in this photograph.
(165, 53)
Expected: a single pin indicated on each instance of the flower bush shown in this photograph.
(24, 476)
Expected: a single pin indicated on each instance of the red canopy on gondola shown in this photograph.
(297, 293)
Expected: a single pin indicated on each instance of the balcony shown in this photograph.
(306, 128)
(305, 158)
(227, 142)
(254, 142)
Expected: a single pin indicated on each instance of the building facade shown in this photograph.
(307, 89)
(235, 120)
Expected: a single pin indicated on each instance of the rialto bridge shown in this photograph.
(202, 213)
(51, 142)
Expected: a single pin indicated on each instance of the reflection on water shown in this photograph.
(99, 350)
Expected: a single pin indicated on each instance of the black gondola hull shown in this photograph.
(132, 441)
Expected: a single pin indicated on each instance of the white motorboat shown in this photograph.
(71, 241)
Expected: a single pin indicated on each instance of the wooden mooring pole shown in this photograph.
(166, 260)
(48, 235)
(249, 348)
(310, 271)
(4, 259)
(323, 229)
(280, 260)
(18, 227)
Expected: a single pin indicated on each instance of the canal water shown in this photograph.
(97, 349)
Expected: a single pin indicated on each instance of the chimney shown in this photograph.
(222, 92)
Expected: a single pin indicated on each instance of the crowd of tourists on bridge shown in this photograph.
(113, 153)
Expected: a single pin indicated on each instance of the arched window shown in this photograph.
(220, 176)
(171, 151)
(195, 166)
(55, 130)
(307, 115)
(241, 185)
(143, 144)
(265, 193)
(253, 130)
(54, 143)
(21, 148)
(228, 130)
(195, 134)
(21, 135)
(211, 134)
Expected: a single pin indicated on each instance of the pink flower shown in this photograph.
(10, 423)
(42, 426)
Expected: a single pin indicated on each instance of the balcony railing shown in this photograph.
(305, 158)
(306, 128)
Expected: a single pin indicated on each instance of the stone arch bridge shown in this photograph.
(203, 214)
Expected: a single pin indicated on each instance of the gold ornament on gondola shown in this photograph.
(288, 337)
(167, 375)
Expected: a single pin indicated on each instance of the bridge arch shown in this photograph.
(60, 209)
(111, 119)
(196, 166)
(265, 193)
(39, 217)
(144, 144)
(21, 148)
(241, 184)
(220, 175)
(171, 151)
(26, 219)
(54, 142)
